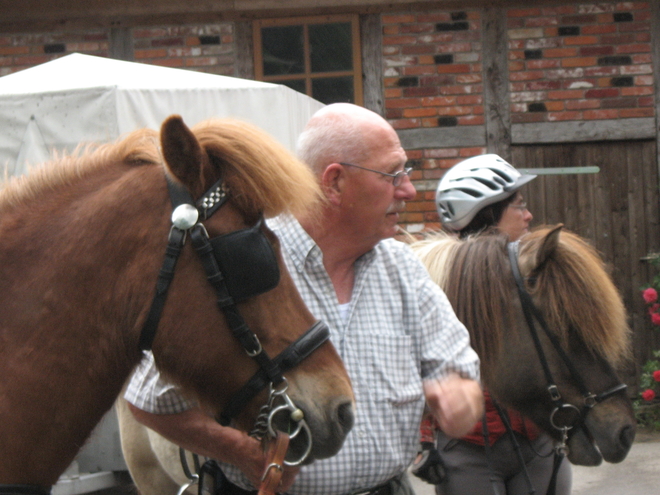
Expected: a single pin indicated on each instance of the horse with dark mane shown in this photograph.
(84, 241)
(549, 327)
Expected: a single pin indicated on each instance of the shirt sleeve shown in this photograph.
(147, 390)
(445, 342)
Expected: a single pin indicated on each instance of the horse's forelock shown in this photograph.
(572, 279)
(138, 147)
(261, 173)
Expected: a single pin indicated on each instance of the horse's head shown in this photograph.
(567, 283)
(251, 176)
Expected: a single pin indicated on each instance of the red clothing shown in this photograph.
(496, 427)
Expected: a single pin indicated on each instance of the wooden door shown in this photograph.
(616, 209)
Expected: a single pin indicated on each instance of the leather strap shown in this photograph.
(270, 481)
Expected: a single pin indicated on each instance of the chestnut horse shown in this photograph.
(566, 384)
(82, 245)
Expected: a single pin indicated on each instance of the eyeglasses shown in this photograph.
(521, 206)
(397, 178)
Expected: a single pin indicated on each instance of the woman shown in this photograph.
(482, 194)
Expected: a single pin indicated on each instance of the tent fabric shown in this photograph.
(80, 99)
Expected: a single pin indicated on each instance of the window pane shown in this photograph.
(296, 84)
(333, 89)
(331, 47)
(283, 50)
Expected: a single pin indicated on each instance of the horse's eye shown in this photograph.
(530, 282)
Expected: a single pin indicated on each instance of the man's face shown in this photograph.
(371, 202)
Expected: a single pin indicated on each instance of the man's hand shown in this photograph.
(457, 404)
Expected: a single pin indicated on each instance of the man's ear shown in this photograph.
(332, 182)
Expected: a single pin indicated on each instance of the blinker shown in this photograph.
(185, 216)
(247, 261)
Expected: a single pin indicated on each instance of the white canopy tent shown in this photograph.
(81, 98)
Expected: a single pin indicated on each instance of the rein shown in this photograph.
(532, 314)
(186, 224)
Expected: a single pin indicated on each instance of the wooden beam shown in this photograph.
(443, 137)
(244, 43)
(372, 62)
(121, 44)
(655, 44)
(496, 81)
(33, 16)
(584, 130)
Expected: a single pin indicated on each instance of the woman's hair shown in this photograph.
(488, 217)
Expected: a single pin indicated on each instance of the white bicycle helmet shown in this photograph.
(472, 184)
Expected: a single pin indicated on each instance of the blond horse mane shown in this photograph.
(263, 176)
(573, 286)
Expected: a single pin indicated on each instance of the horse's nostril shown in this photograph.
(345, 416)
(627, 436)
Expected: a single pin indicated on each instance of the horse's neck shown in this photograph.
(75, 278)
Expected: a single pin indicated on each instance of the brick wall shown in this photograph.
(432, 78)
(20, 51)
(581, 61)
(202, 48)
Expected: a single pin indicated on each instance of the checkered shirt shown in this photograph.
(400, 329)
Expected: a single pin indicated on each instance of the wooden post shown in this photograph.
(655, 46)
(244, 51)
(371, 33)
(120, 46)
(496, 81)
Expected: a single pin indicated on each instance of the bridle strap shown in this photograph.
(286, 360)
(277, 448)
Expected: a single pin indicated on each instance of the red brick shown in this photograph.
(470, 100)
(598, 29)
(399, 40)
(405, 124)
(471, 120)
(418, 70)
(637, 91)
(154, 53)
(419, 28)
(461, 89)
(453, 69)
(403, 103)
(526, 75)
(555, 106)
(541, 21)
(391, 30)
(580, 40)
(602, 93)
(14, 50)
(469, 78)
(437, 101)
(417, 49)
(596, 50)
(393, 92)
(582, 104)
(634, 48)
(516, 66)
(410, 113)
(559, 10)
(623, 102)
(543, 64)
(633, 26)
(579, 62)
(636, 112)
(643, 80)
(423, 91)
(565, 94)
(636, 69)
(454, 111)
(642, 58)
(646, 101)
(560, 52)
(563, 116)
(600, 114)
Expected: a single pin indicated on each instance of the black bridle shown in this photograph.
(590, 400)
(246, 254)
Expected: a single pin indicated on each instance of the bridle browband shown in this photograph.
(185, 216)
(532, 314)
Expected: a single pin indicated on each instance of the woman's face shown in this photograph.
(515, 219)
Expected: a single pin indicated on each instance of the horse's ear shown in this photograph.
(549, 244)
(182, 152)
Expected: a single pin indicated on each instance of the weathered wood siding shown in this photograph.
(617, 209)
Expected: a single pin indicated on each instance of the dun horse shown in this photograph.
(82, 245)
(567, 303)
